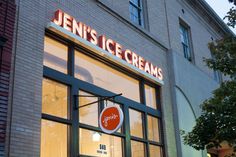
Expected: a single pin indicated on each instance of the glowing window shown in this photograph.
(93, 143)
(55, 55)
(102, 75)
(55, 98)
(150, 96)
(136, 123)
(138, 149)
(153, 129)
(88, 114)
(154, 151)
(53, 139)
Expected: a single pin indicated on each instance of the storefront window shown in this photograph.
(138, 149)
(53, 139)
(93, 143)
(99, 74)
(136, 123)
(150, 96)
(55, 98)
(55, 55)
(88, 114)
(60, 112)
(154, 151)
(153, 129)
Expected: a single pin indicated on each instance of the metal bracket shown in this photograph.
(102, 98)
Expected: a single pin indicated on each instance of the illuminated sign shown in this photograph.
(86, 32)
(111, 119)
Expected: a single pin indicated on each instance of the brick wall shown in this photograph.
(27, 91)
(7, 20)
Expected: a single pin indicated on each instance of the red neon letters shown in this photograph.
(69, 23)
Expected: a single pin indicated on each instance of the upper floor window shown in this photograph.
(135, 10)
(185, 41)
(216, 73)
(217, 76)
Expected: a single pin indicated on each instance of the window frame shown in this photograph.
(106, 62)
(139, 9)
(59, 121)
(75, 85)
(56, 119)
(184, 26)
(217, 75)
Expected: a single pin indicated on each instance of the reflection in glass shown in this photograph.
(55, 98)
(150, 96)
(153, 129)
(106, 146)
(134, 14)
(136, 124)
(184, 36)
(88, 114)
(53, 139)
(136, 2)
(97, 73)
(137, 149)
(135, 10)
(55, 55)
(154, 151)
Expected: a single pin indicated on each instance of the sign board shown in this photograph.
(111, 119)
(86, 32)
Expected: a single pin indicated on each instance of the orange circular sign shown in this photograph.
(111, 119)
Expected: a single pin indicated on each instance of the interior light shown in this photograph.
(96, 137)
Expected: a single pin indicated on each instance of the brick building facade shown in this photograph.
(170, 34)
(7, 21)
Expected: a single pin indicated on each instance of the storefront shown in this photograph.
(77, 75)
(73, 59)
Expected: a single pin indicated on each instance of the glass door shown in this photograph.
(91, 140)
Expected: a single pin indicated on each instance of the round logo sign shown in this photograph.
(111, 119)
